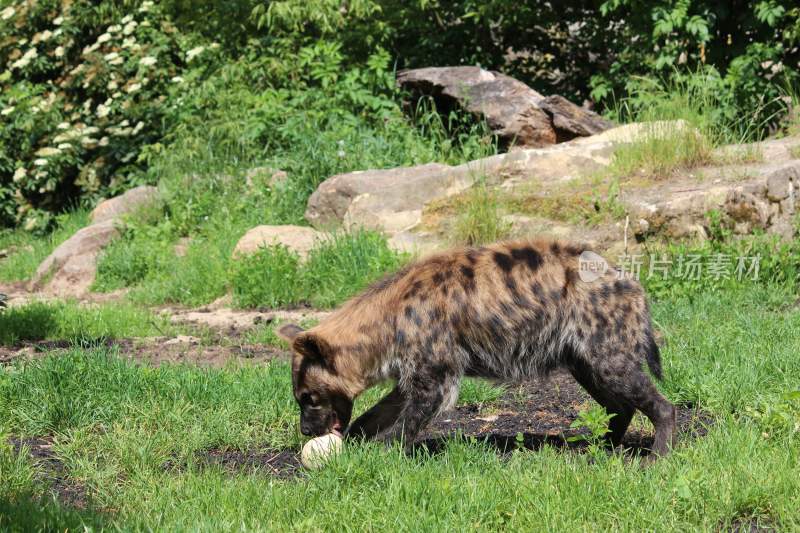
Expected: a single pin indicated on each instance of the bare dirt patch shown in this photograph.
(282, 464)
(158, 350)
(540, 412)
(52, 472)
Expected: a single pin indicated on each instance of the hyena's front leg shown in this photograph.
(426, 394)
(381, 416)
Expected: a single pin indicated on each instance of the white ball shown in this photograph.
(317, 451)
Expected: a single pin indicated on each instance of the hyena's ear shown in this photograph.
(289, 332)
(314, 349)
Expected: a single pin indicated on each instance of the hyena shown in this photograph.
(508, 311)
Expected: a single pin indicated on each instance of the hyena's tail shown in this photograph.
(653, 355)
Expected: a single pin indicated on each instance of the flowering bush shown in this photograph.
(83, 88)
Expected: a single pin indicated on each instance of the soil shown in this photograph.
(541, 411)
(159, 350)
(282, 464)
(52, 472)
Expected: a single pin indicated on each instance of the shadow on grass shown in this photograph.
(27, 512)
(33, 322)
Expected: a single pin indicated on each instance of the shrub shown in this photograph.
(85, 86)
(335, 269)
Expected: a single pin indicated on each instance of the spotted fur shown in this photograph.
(509, 311)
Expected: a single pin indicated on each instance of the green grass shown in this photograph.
(479, 219)
(39, 321)
(335, 269)
(25, 251)
(116, 424)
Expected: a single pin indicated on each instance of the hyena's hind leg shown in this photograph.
(427, 392)
(381, 416)
(616, 375)
(621, 410)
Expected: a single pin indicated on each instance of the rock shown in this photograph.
(782, 182)
(70, 270)
(181, 247)
(514, 112)
(299, 239)
(570, 120)
(392, 200)
(637, 131)
(124, 204)
(271, 176)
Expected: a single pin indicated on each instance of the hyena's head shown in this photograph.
(320, 390)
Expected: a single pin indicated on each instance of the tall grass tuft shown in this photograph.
(480, 218)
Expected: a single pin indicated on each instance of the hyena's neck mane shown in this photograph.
(362, 331)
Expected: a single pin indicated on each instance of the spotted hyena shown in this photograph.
(508, 311)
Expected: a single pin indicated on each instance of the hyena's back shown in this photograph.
(511, 311)
(515, 310)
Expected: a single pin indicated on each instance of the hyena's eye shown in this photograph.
(309, 400)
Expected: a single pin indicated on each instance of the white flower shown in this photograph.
(138, 127)
(58, 32)
(104, 38)
(103, 142)
(60, 51)
(194, 52)
(112, 85)
(148, 61)
(133, 88)
(103, 111)
(111, 55)
(114, 28)
(47, 151)
(128, 42)
(127, 19)
(145, 24)
(25, 59)
(90, 130)
(7, 13)
(214, 46)
(40, 162)
(63, 126)
(7, 111)
(125, 122)
(58, 21)
(177, 79)
(88, 142)
(145, 7)
(129, 27)
(19, 174)
(64, 146)
(45, 35)
(92, 48)
(117, 61)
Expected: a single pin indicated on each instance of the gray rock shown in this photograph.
(124, 204)
(299, 239)
(70, 270)
(513, 111)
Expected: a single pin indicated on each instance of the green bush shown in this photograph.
(84, 85)
(334, 270)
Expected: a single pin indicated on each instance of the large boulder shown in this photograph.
(124, 204)
(392, 200)
(299, 239)
(514, 112)
(71, 268)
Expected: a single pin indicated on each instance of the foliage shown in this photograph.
(480, 219)
(749, 48)
(594, 420)
(39, 321)
(334, 270)
(85, 85)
